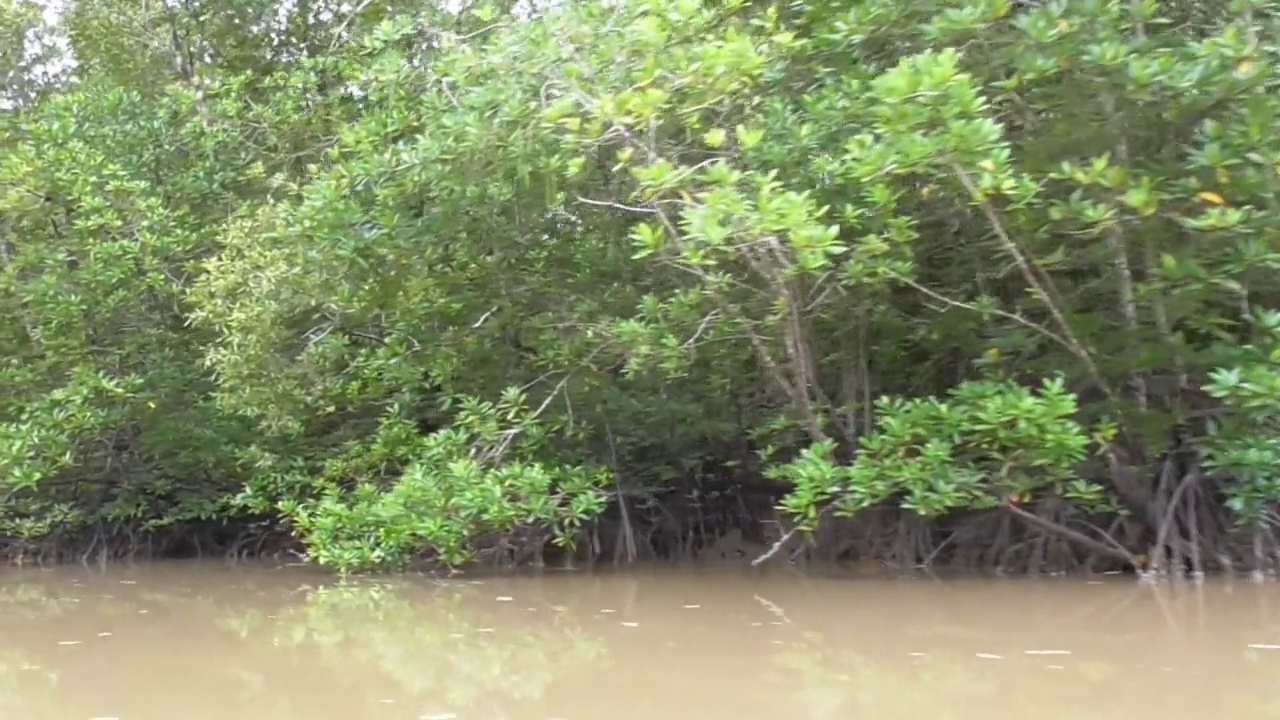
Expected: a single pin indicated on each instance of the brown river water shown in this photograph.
(191, 640)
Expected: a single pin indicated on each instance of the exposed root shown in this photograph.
(1193, 535)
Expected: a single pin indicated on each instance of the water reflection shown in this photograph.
(1130, 652)
(450, 646)
(194, 641)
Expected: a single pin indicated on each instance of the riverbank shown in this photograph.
(739, 528)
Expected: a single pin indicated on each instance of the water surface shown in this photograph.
(189, 641)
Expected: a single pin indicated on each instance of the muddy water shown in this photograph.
(190, 641)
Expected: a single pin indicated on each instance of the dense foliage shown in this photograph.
(970, 280)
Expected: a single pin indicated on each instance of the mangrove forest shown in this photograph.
(987, 284)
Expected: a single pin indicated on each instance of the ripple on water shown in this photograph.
(541, 651)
